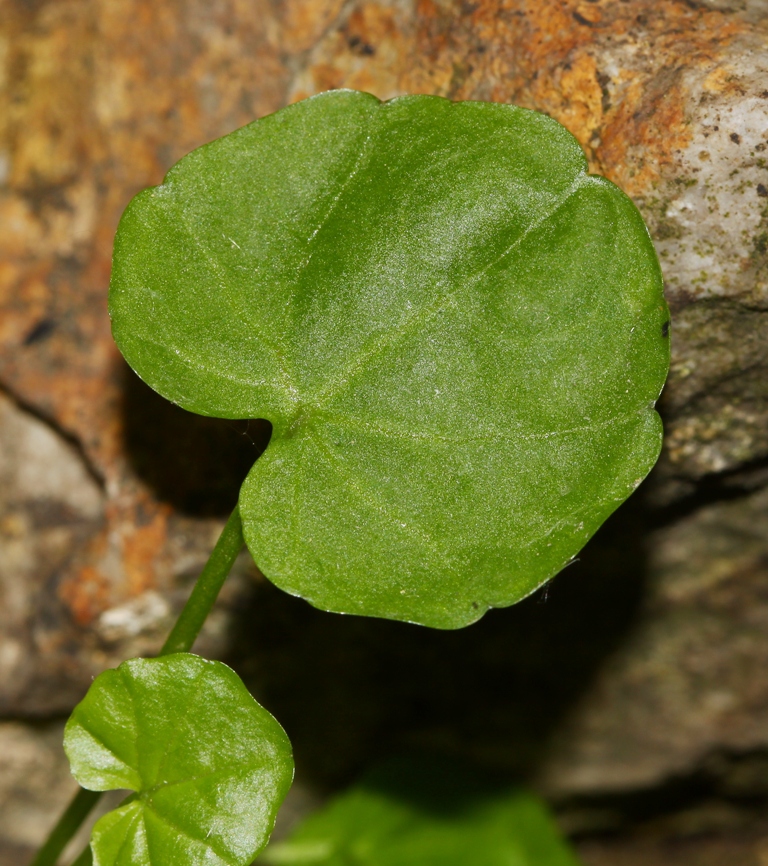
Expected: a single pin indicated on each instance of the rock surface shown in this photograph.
(52, 528)
(50, 506)
(687, 680)
(110, 499)
(36, 782)
(711, 850)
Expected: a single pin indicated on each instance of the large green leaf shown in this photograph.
(209, 766)
(457, 334)
(425, 815)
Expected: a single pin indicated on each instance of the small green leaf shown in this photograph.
(425, 815)
(457, 334)
(209, 766)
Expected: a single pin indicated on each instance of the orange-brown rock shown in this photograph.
(98, 98)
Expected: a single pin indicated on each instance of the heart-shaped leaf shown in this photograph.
(209, 766)
(425, 815)
(457, 334)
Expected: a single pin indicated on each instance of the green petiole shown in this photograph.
(207, 588)
(182, 637)
(69, 823)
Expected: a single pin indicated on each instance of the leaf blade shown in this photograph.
(421, 813)
(455, 277)
(212, 765)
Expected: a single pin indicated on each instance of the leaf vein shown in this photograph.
(193, 362)
(410, 528)
(295, 521)
(226, 771)
(422, 316)
(205, 843)
(106, 747)
(130, 834)
(365, 152)
(238, 310)
(194, 691)
(489, 436)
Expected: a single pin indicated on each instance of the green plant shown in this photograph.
(458, 336)
(417, 812)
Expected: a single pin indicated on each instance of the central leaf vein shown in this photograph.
(205, 842)
(408, 526)
(227, 772)
(427, 436)
(421, 317)
(130, 833)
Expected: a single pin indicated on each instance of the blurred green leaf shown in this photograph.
(457, 334)
(426, 815)
(209, 766)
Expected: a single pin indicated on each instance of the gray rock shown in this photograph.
(52, 543)
(690, 678)
(708, 215)
(49, 507)
(35, 787)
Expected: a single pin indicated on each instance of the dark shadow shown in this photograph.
(433, 785)
(726, 486)
(350, 690)
(194, 463)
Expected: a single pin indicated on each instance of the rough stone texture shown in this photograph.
(36, 783)
(688, 679)
(707, 850)
(110, 499)
(52, 516)
(83, 126)
(49, 507)
(750, 10)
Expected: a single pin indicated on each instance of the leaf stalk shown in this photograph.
(181, 639)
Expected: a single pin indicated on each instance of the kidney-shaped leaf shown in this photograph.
(209, 766)
(424, 815)
(457, 334)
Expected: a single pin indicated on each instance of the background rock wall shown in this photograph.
(633, 689)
